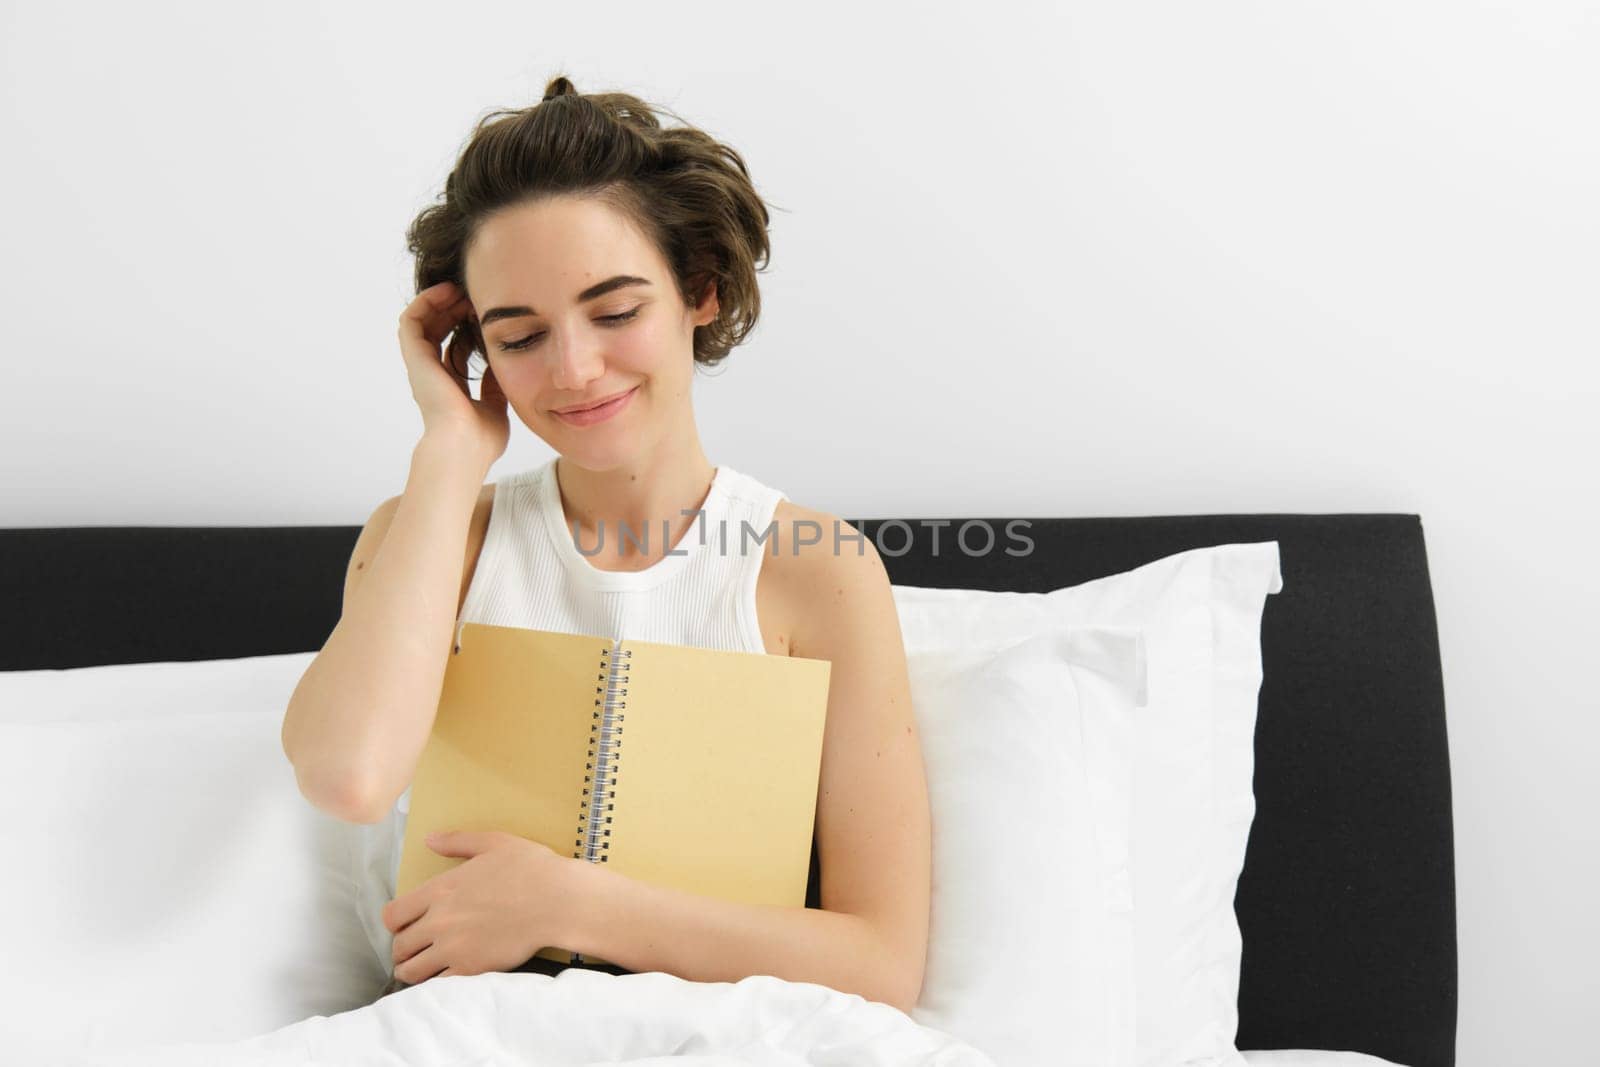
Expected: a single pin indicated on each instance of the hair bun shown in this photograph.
(559, 86)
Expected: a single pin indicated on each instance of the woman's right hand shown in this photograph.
(446, 403)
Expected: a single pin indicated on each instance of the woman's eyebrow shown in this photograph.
(598, 289)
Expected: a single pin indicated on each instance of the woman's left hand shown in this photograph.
(511, 898)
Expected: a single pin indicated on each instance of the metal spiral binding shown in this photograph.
(605, 745)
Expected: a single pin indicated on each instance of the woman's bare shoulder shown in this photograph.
(808, 533)
(821, 562)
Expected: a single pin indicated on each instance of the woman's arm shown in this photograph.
(873, 824)
(645, 927)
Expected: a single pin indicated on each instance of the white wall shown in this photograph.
(1116, 259)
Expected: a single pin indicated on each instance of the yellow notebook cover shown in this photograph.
(688, 767)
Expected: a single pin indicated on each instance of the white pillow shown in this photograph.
(1029, 757)
(1302, 1057)
(165, 880)
(1200, 613)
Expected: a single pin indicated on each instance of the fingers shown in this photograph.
(434, 298)
(489, 389)
(402, 911)
(458, 347)
(408, 943)
(435, 311)
(438, 323)
(421, 967)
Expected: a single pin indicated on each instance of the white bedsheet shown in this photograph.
(582, 1017)
(1302, 1057)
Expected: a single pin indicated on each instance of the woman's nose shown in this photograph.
(577, 363)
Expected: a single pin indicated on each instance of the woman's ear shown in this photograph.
(709, 307)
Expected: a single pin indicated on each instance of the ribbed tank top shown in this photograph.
(532, 573)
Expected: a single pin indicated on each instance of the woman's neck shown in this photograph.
(663, 490)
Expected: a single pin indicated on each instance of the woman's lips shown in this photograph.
(590, 416)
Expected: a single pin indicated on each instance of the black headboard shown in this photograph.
(1347, 899)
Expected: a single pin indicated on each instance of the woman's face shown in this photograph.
(553, 344)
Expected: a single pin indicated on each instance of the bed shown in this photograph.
(1345, 902)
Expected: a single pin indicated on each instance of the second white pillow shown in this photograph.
(1029, 756)
(1200, 613)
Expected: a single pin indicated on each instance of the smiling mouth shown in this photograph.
(600, 413)
(596, 404)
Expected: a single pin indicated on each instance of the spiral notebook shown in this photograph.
(688, 767)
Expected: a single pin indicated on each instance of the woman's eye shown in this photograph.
(533, 339)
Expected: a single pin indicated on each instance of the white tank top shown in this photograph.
(531, 573)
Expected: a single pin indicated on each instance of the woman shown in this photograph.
(596, 259)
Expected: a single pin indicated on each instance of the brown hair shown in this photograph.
(688, 193)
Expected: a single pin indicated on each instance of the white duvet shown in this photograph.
(588, 1017)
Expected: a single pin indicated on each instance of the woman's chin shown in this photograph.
(596, 455)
